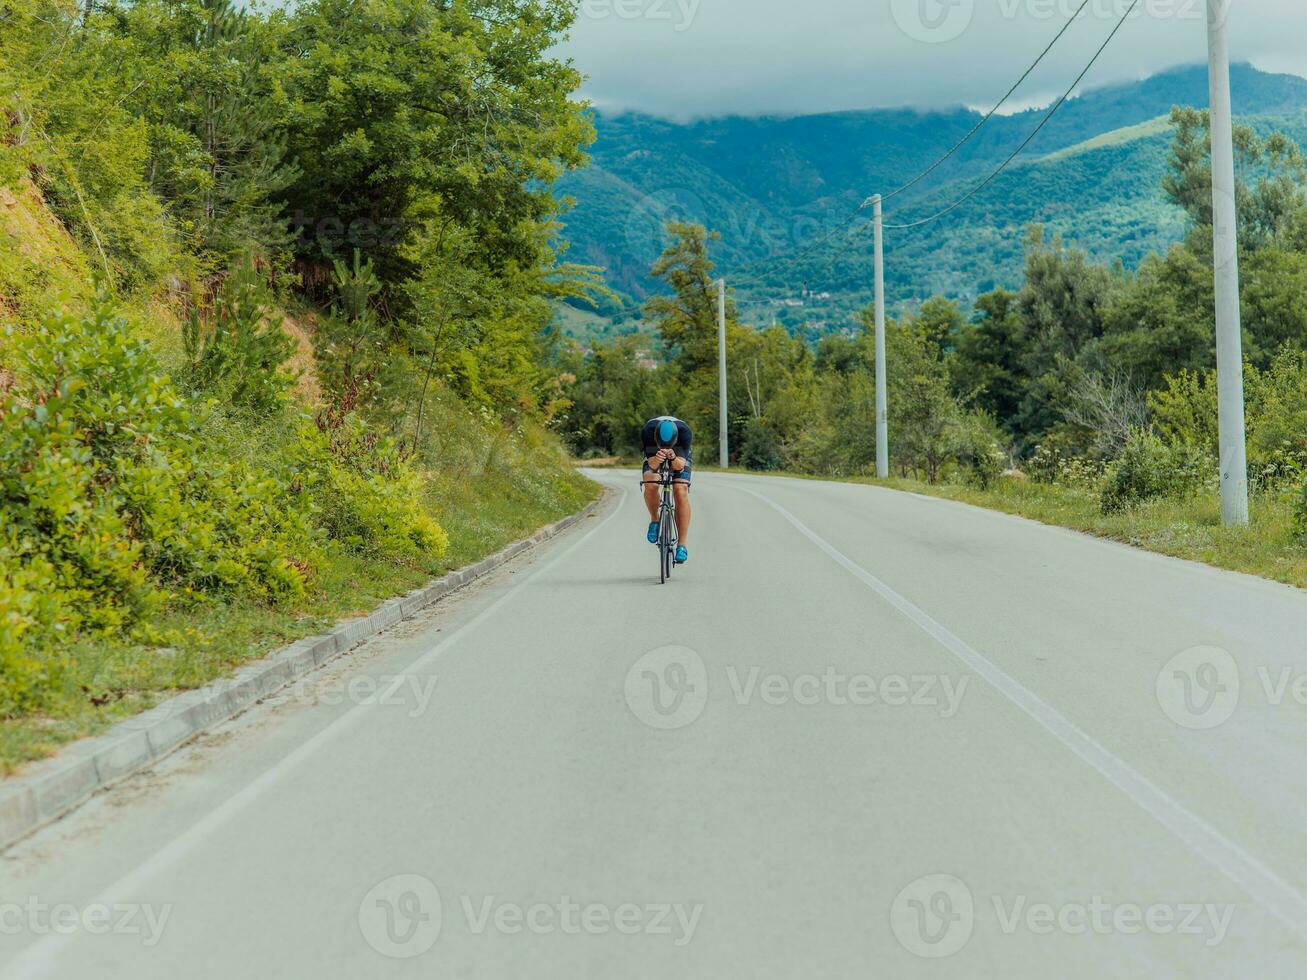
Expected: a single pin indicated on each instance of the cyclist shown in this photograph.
(668, 440)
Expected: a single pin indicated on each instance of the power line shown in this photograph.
(993, 176)
(844, 225)
(1029, 139)
(989, 115)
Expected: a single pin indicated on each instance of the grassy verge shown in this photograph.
(1189, 529)
(485, 482)
(501, 488)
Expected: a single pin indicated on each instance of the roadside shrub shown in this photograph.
(109, 496)
(1277, 424)
(1043, 465)
(367, 494)
(1150, 468)
(981, 454)
(236, 352)
(1186, 411)
(29, 605)
(1300, 514)
(1051, 466)
(85, 407)
(225, 529)
(1280, 468)
(760, 449)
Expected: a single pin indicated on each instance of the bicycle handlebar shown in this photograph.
(666, 475)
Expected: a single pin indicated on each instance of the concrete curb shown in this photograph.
(51, 788)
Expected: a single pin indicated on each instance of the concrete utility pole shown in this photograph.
(882, 391)
(723, 419)
(1225, 247)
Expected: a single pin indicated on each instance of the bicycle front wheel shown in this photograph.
(666, 552)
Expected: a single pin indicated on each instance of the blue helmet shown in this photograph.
(667, 434)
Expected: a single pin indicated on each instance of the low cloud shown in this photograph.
(685, 59)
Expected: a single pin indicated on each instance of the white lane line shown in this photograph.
(40, 959)
(1268, 889)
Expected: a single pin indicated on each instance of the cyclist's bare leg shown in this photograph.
(681, 492)
(651, 498)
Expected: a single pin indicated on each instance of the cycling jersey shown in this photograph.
(684, 447)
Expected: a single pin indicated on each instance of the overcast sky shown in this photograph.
(688, 58)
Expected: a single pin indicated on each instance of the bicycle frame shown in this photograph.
(668, 535)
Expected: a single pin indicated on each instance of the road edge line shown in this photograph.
(1278, 897)
(56, 786)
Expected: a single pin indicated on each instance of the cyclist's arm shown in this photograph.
(678, 464)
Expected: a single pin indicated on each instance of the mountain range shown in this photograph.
(784, 193)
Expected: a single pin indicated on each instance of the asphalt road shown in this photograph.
(862, 734)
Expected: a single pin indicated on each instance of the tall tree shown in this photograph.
(1062, 307)
(687, 318)
(988, 370)
(212, 92)
(410, 112)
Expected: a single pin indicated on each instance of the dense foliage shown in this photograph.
(773, 187)
(177, 138)
(320, 232)
(1088, 375)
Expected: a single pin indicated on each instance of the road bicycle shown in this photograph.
(668, 537)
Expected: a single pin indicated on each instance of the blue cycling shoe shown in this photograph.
(653, 533)
(682, 555)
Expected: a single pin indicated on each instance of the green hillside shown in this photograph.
(1117, 137)
(772, 187)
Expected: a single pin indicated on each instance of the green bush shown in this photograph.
(29, 620)
(1277, 423)
(236, 353)
(85, 408)
(982, 456)
(1149, 468)
(1186, 411)
(1300, 514)
(760, 449)
(116, 497)
(225, 529)
(1050, 465)
(1043, 465)
(1280, 468)
(367, 494)
(109, 499)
